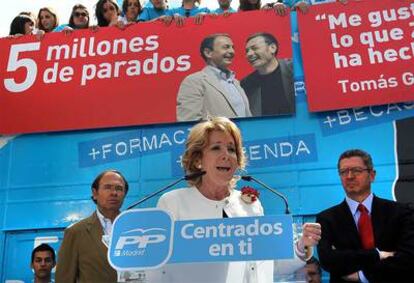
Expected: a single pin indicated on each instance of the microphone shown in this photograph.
(250, 178)
(186, 178)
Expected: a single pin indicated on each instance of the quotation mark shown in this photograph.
(320, 17)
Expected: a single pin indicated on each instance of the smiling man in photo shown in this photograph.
(213, 91)
(270, 88)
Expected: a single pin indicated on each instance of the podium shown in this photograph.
(145, 239)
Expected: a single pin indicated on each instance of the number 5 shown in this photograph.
(16, 63)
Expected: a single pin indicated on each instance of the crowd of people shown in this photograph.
(373, 242)
(108, 13)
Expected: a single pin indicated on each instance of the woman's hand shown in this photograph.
(199, 18)
(311, 234)
(281, 9)
(302, 6)
(179, 20)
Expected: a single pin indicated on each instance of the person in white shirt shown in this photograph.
(215, 146)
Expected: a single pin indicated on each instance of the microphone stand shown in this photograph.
(250, 178)
(186, 177)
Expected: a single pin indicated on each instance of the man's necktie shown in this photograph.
(366, 233)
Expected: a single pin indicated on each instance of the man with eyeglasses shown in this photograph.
(83, 254)
(366, 238)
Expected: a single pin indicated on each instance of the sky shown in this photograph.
(63, 9)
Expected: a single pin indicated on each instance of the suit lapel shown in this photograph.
(212, 80)
(95, 231)
(376, 210)
(244, 98)
(286, 75)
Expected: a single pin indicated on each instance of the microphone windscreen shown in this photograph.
(246, 178)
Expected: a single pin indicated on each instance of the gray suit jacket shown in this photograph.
(201, 95)
(82, 255)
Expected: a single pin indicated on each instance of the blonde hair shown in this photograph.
(197, 141)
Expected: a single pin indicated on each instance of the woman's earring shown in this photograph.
(199, 166)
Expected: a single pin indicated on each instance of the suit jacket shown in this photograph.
(341, 253)
(201, 94)
(82, 256)
(252, 86)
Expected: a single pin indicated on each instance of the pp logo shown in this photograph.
(141, 239)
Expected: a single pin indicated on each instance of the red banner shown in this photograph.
(358, 54)
(114, 77)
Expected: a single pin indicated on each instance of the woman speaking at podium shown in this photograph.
(215, 147)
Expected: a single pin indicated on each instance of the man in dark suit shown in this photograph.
(270, 88)
(83, 254)
(371, 244)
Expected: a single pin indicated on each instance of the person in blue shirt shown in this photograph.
(283, 7)
(130, 11)
(158, 10)
(189, 8)
(224, 7)
(79, 19)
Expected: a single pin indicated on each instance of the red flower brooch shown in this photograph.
(249, 195)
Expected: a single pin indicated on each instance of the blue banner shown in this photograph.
(129, 145)
(233, 239)
(142, 239)
(336, 122)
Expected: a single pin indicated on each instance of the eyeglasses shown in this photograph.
(78, 14)
(111, 188)
(355, 171)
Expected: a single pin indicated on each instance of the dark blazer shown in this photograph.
(82, 255)
(252, 85)
(340, 251)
